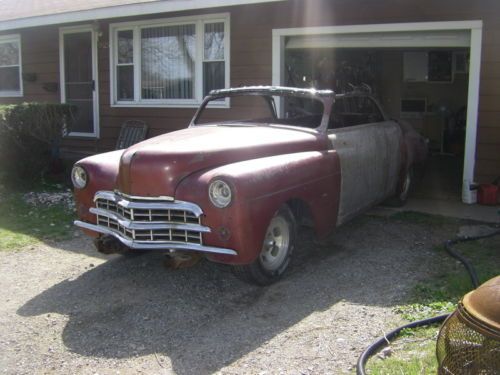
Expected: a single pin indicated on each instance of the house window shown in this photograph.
(213, 57)
(173, 62)
(10, 66)
(125, 65)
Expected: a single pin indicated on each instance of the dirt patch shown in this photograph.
(66, 309)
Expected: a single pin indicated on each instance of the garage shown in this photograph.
(424, 73)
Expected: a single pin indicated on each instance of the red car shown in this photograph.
(237, 184)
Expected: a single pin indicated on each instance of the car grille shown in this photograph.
(149, 219)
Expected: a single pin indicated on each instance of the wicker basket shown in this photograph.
(469, 340)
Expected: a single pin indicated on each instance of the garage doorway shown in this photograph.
(423, 73)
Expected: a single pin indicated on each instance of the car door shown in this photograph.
(368, 146)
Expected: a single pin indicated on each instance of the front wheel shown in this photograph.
(276, 251)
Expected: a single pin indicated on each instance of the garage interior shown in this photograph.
(419, 77)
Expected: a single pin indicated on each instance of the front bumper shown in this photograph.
(156, 245)
(148, 223)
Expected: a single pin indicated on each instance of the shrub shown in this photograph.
(30, 135)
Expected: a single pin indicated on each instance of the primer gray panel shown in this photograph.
(369, 160)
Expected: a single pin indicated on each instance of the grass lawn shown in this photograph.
(414, 353)
(22, 223)
(414, 350)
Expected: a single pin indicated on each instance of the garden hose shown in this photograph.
(383, 341)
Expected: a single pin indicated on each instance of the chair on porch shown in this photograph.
(131, 132)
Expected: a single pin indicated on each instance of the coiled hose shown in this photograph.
(383, 341)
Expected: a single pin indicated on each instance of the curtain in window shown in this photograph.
(125, 65)
(214, 41)
(168, 62)
(213, 56)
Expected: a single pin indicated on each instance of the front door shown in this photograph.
(369, 151)
(78, 62)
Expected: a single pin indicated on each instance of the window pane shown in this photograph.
(304, 112)
(353, 111)
(79, 90)
(9, 54)
(213, 76)
(9, 79)
(168, 62)
(125, 47)
(125, 77)
(83, 115)
(244, 108)
(78, 79)
(214, 41)
(77, 57)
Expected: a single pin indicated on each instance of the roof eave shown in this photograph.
(122, 11)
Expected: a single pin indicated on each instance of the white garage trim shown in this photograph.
(401, 39)
(472, 27)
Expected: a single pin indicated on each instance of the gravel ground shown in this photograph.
(66, 309)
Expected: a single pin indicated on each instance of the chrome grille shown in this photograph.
(148, 220)
(150, 234)
(148, 215)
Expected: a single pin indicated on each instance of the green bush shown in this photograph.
(30, 135)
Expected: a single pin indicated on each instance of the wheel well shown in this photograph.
(301, 212)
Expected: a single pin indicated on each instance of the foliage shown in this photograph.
(418, 311)
(23, 223)
(30, 135)
(414, 350)
(414, 354)
(441, 293)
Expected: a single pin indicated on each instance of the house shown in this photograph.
(434, 63)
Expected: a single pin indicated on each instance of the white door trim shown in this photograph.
(95, 93)
(475, 27)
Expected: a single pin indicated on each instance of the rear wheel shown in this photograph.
(276, 251)
(401, 197)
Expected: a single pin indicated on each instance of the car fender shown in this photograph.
(102, 170)
(260, 187)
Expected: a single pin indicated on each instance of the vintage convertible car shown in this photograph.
(237, 183)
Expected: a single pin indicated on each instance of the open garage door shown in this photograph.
(425, 73)
(406, 39)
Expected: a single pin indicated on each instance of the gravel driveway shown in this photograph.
(66, 309)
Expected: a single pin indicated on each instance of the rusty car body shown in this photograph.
(237, 189)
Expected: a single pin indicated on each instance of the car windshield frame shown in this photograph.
(270, 94)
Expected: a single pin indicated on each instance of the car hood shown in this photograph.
(155, 167)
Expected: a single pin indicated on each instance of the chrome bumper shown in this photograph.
(150, 223)
(156, 245)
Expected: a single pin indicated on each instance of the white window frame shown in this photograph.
(14, 94)
(136, 27)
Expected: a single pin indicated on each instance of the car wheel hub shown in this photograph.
(275, 248)
(406, 186)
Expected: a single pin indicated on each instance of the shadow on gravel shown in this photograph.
(203, 318)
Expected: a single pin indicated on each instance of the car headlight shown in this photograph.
(220, 193)
(79, 177)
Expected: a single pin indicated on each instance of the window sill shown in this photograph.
(11, 94)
